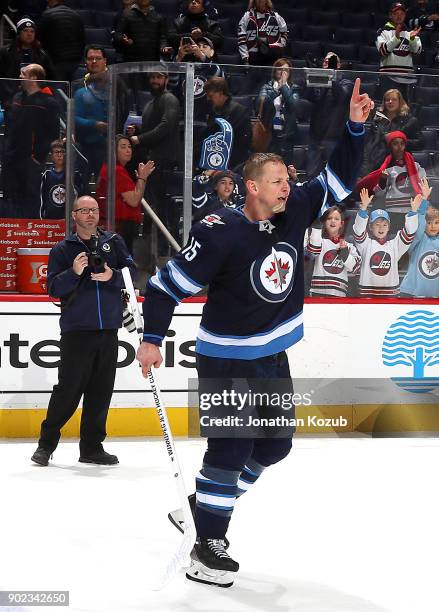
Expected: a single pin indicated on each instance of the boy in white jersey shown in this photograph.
(379, 276)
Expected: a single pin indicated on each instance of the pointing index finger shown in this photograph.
(356, 90)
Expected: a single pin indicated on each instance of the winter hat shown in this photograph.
(218, 176)
(395, 134)
(26, 22)
(379, 213)
(206, 40)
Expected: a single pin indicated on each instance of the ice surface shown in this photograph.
(343, 524)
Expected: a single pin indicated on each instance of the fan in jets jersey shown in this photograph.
(254, 269)
(334, 258)
(379, 276)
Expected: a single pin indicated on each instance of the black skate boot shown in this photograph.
(177, 519)
(211, 564)
(41, 456)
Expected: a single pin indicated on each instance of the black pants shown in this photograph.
(88, 367)
(21, 184)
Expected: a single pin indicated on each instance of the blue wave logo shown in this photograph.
(413, 341)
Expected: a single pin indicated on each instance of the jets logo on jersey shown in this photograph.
(57, 195)
(211, 220)
(332, 262)
(402, 183)
(272, 276)
(380, 263)
(429, 265)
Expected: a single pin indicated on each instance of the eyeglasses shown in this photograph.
(87, 211)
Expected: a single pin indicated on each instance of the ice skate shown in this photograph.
(211, 564)
(177, 519)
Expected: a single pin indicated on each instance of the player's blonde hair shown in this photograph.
(254, 165)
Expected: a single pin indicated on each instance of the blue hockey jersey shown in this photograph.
(254, 269)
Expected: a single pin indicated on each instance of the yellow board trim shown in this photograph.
(370, 418)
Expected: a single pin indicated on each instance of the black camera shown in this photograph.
(95, 261)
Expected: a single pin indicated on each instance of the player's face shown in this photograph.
(379, 229)
(391, 102)
(432, 227)
(224, 188)
(124, 151)
(273, 187)
(397, 148)
(334, 224)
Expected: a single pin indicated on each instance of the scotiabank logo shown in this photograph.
(18, 352)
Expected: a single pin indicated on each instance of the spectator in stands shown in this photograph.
(423, 14)
(96, 62)
(203, 53)
(333, 256)
(61, 32)
(159, 140)
(224, 107)
(24, 50)
(393, 114)
(141, 34)
(397, 180)
(193, 24)
(262, 34)
(397, 45)
(422, 275)
(379, 274)
(129, 192)
(276, 108)
(212, 191)
(53, 184)
(32, 124)
(91, 117)
(117, 38)
(328, 116)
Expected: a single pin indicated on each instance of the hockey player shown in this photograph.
(334, 257)
(379, 276)
(422, 275)
(252, 259)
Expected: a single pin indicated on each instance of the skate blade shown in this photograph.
(200, 573)
(177, 519)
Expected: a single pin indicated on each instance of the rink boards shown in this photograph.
(369, 367)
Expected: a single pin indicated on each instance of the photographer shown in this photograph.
(84, 272)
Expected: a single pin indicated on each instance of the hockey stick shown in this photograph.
(182, 556)
(167, 234)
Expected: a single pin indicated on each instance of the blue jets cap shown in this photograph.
(379, 213)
